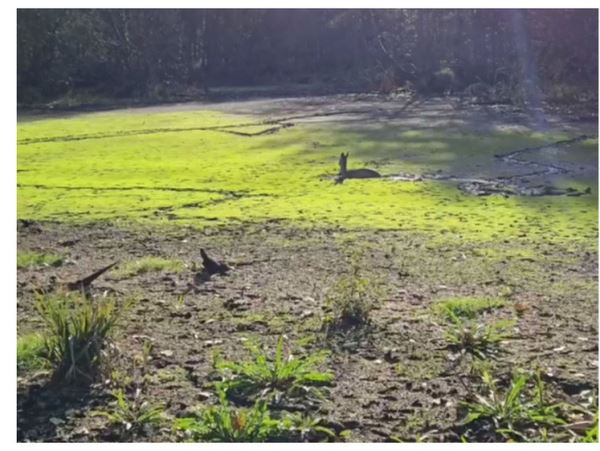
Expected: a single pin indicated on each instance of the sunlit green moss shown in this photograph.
(200, 177)
(31, 353)
(27, 259)
(111, 123)
(148, 264)
(466, 307)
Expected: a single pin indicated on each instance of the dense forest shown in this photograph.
(143, 53)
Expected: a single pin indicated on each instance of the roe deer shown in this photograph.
(353, 173)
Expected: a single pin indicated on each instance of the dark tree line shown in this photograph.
(138, 53)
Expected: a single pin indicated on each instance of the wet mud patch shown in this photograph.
(520, 183)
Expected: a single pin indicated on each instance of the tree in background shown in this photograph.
(148, 53)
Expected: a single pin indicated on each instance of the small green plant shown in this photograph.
(351, 300)
(467, 308)
(306, 428)
(133, 372)
(223, 423)
(418, 438)
(414, 425)
(591, 434)
(479, 339)
(31, 353)
(34, 259)
(583, 420)
(77, 329)
(129, 417)
(517, 413)
(282, 375)
(149, 264)
(120, 378)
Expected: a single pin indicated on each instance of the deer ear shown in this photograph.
(347, 154)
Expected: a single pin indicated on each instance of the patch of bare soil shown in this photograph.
(399, 380)
(408, 110)
(517, 184)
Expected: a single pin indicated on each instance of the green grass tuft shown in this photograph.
(149, 264)
(591, 434)
(351, 299)
(223, 423)
(478, 339)
(523, 411)
(467, 308)
(129, 417)
(31, 353)
(77, 329)
(280, 376)
(34, 259)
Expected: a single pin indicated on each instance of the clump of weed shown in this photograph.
(130, 413)
(467, 308)
(149, 264)
(522, 412)
(351, 300)
(35, 259)
(133, 373)
(478, 339)
(130, 416)
(415, 425)
(583, 419)
(77, 329)
(282, 376)
(467, 332)
(299, 427)
(225, 423)
(31, 353)
(591, 434)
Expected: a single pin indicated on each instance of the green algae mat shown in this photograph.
(199, 168)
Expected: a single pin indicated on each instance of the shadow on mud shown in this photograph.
(43, 408)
